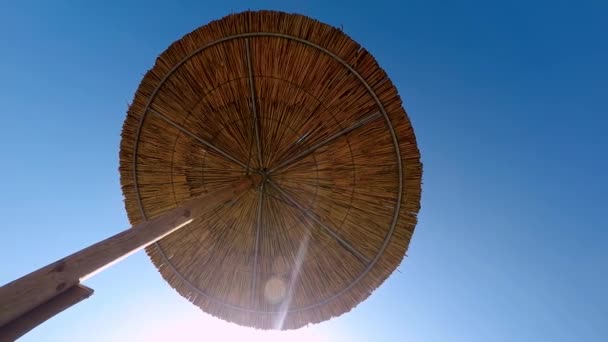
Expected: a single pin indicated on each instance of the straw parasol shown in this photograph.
(300, 103)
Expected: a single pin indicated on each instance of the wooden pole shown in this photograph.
(25, 294)
(38, 315)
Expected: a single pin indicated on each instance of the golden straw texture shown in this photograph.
(304, 105)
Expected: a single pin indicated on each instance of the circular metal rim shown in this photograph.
(397, 209)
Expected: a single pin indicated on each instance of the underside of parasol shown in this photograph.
(307, 108)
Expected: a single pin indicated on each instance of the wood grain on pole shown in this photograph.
(38, 287)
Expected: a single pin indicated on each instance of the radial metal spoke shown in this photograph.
(327, 140)
(327, 229)
(197, 138)
(258, 227)
(254, 111)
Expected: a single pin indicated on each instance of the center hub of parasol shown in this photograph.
(265, 175)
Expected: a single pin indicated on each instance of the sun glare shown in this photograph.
(206, 328)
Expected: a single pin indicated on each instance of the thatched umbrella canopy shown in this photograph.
(302, 104)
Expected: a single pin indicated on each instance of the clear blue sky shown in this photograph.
(509, 103)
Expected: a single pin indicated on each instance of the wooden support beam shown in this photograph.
(33, 318)
(28, 292)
